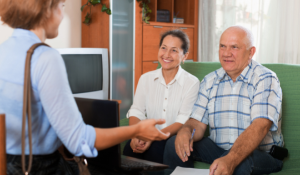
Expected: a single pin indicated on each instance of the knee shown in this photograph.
(245, 167)
(170, 147)
(127, 149)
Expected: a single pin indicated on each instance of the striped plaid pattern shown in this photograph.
(230, 107)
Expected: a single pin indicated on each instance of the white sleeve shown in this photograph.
(188, 103)
(138, 108)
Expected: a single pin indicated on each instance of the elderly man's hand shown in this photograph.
(183, 145)
(222, 166)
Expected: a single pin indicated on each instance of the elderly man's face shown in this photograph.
(233, 53)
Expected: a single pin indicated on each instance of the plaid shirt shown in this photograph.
(230, 107)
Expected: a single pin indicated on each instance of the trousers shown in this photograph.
(205, 150)
(155, 152)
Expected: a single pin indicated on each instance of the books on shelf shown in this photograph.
(179, 20)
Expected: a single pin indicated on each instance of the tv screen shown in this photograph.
(84, 72)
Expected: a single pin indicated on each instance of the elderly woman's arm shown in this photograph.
(133, 120)
(186, 107)
(172, 129)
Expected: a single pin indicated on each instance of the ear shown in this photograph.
(252, 52)
(185, 57)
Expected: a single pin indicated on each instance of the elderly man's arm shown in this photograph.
(245, 144)
(183, 145)
(198, 121)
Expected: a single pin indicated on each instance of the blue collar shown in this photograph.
(26, 33)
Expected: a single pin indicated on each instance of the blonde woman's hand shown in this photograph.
(147, 131)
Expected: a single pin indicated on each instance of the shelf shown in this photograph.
(152, 23)
(183, 9)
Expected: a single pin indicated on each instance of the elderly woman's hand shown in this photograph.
(142, 146)
(134, 144)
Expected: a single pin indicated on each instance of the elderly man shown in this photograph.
(241, 103)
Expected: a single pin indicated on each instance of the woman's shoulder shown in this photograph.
(151, 74)
(47, 58)
(45, 50)
(47, 54)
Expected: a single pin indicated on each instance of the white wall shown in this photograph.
(69, 29)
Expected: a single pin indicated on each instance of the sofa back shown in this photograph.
(289, 77)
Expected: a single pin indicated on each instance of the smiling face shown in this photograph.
(51, 28)
(234, 55)
(170, 53)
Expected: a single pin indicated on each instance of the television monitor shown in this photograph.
(88, 71)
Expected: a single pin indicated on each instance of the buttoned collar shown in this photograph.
(26, 33)
(221, 73)
(245, 74)
(177, 78)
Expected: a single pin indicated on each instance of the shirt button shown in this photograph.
(83, 142)
(165, 98)
(167, 87)
(164, 110)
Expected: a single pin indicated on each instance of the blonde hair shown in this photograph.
(26, 14)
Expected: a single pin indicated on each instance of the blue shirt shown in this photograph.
(55, 116)
(230, 107)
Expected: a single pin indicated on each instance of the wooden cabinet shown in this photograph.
(190, 34)
(151, 38)
(147, 36)
(149, 66)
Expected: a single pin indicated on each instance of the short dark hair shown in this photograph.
(26, 14)
(179, 34)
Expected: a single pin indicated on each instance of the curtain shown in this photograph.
(275, 25)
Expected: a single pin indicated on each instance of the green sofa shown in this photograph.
(289, 77)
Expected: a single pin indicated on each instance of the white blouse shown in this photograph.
(173, 102)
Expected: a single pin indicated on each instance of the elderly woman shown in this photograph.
(169, 93)
(56, 119)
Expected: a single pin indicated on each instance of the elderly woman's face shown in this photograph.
(170, 53)
(52, 25)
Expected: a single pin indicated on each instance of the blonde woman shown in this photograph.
(56, 119)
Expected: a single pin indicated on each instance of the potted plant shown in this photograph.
(143, 4)
(91, 3)
(145, 10)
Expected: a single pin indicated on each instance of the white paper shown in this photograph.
(190, 171)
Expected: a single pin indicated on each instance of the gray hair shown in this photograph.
(249, 40)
